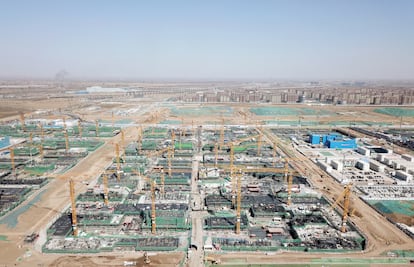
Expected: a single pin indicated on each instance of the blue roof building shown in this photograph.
(333, 140)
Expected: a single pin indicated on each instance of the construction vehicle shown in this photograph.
(212, 260)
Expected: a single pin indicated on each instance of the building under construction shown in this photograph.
(249, 194)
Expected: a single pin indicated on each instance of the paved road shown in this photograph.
(196, 258)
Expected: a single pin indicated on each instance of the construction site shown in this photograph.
(198, 185)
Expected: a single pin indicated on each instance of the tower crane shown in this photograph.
(64, 124)
(169, 160)
(259, 144)
(96, 128)
(289, 189)
(105, 184)
(118, 162)
(162, 183)
(66, 141)
(73, 207)
(170, 155)
(139, 139)
(113, 121)
(122, 138)
(274, 153)
(222, 135)
(12, 160)
(153, 216)
(42, 133)
(238, 207)
(346, 196)
(173, 138)
(216, 154)
(22, 122)
(80, 128)
(41, 151)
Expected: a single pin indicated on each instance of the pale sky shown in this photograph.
(208, 40)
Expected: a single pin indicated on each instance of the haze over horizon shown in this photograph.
(210, 40)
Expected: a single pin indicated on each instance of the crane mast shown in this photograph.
(96, 128)
(66, 141)
(289, 189)
(216, 155)
(222, 135)
(347, 197)
(13, 166)
(238, 207)
(22, 122)
(73, 207)
(80, 128)
(118, 162)
(153, 217)
(105, 184)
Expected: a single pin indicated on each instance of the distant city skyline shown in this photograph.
(207, 40)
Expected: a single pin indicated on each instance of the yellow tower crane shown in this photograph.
(274, 154)
(66, 141)
(122, 138)
(286, 168)
(153, 216)
(13, 166)
(139, 139)
(80, 128)
(105, 184)
(238, 207)
(259, 144)
(222, 135)
(42, 133)
(41, 151)
(118, 162)
(173, 138)
(162, 183)
(169, 160)
(64, 124)
(22, 122)
(231, 158)
(193, 128)
(216, 154)
(346, 196)
(73, 207)
(96, 128)
(289, 189)
(113, 121)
